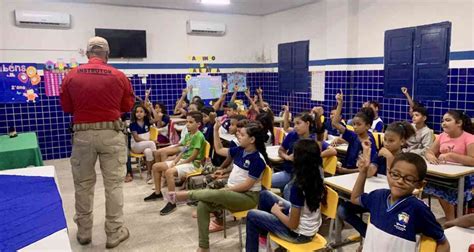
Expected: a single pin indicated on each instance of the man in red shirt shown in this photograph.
(96, 94)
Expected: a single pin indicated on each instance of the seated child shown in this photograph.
(243, 187)
(192, 152)
(424, 137)
(377, 124)
(456, 145)
(361, 123)
(395, 137)
(298, 219)
(328, 123)
(140, 129)
(396, 215)
(266, 119)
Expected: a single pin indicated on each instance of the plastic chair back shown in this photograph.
(332, 199)
(330, 165)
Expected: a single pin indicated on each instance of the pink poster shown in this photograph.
(52, 82)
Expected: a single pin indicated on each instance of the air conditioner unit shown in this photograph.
(42, 19)
(205, 28)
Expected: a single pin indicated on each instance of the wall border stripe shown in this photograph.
(460, 55)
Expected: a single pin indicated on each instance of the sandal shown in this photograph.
(128, 178)
(215, 227)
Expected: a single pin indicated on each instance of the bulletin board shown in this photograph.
(19, 82)
(206, 86)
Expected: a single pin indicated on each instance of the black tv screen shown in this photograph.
(124, 43)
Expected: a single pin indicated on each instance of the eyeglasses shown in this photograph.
(408, 179)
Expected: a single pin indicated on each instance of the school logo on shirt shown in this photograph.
(247, 163)
(403, 219)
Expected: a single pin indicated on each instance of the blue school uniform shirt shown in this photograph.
(135, 127)
(309, 221)
(381, 165)
(333, 131)
(377, 125)
(355, 148)
(246, 165)
(394, 227)
(166, 120)
(287, 144)
(208, 132)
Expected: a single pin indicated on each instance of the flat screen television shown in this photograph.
(124, 43)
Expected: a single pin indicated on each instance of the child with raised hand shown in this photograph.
(456, 145)
(304, 125)
(423, 139)
(181, 104)
(192, 152)
(396, 215)
(243, 187)
(140, 140)
(361, 122)
(298, 219)
(395, 137)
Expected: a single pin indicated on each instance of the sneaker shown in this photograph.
(153, 196)
(149, 179)
(83, 236)
(114, 240)
(169, 208)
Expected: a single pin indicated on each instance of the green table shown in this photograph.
(20, 151)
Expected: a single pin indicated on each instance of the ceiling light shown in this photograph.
(216, 2)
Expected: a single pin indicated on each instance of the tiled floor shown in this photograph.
(148, 230)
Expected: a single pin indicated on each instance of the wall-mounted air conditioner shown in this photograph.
(42, 19)
(205, 28)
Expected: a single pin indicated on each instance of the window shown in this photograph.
(293, 66)
(418, 58)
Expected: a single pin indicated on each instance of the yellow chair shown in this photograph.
(349, 127)
(154, 133)
(197, 172)
(139, 157)
(427, 244)
(378, 137)
(330, 165)
(266, 184)
(318, 242)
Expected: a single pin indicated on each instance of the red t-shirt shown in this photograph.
(96, 92)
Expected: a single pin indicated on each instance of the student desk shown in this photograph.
(272, 152)
(20, 151)
(57, 241)
(341, 149)
(344, 184)
(446, 173)
(460, 238)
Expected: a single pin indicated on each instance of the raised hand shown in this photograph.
(259, 91)
(404, 90)
(247, 93)
(339, 96)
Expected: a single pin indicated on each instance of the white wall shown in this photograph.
(335, 28)
(355, 28)
(167, 40)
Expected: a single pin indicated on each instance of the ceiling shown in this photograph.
(244, 7)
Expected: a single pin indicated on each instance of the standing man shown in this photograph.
(96, 94)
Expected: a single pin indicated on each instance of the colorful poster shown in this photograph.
(205, 86)
(54, 74)
(19, 83)
(239, 79)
